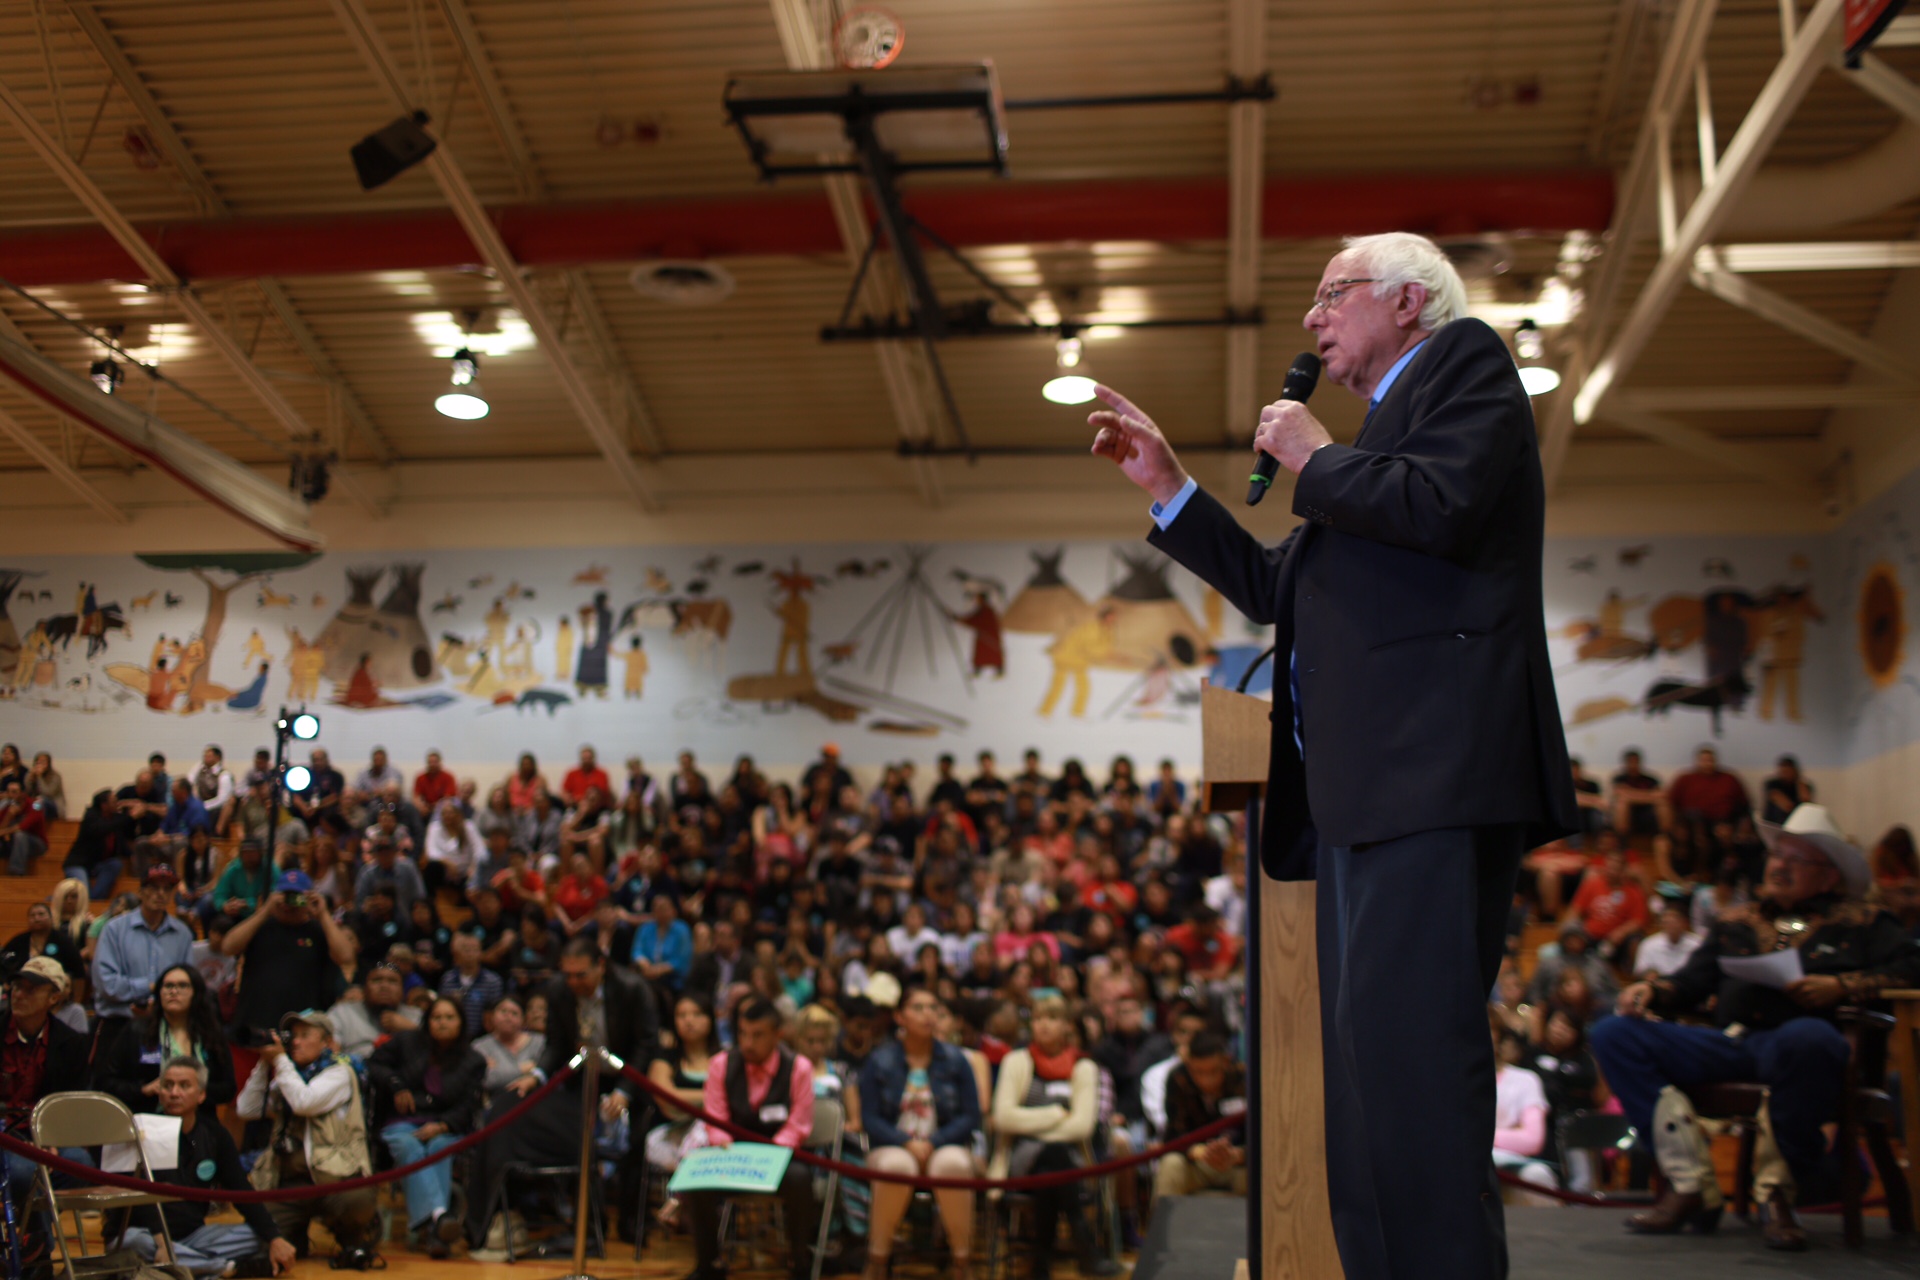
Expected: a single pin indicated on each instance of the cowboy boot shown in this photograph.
(1692, 1200)
(1774, 1190)
(1779, 1225)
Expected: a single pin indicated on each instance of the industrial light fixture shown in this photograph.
(1070, 383)
(466, 402)
(385, 154)
(1528, 344)
(298, 777)
(106, 375)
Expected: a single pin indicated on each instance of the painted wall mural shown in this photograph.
(1879, 549)
(1088, 649)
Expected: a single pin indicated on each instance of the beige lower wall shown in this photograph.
(1879, 793)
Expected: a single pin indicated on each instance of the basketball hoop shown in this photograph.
(867, 39)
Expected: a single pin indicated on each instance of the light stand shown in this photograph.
(287, 725)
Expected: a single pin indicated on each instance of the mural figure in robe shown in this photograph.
(362, 691)
(563, 649)
(248, 699)
(305, 662)
(796, 623)
(596, 628)
(256, 650)
(1783, 637)
(635, 657)
(989, 648)
(1727, 642)
(1073, 654)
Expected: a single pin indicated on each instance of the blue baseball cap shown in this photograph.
(294, 881)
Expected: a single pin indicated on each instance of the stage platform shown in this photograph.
(1203, 1237)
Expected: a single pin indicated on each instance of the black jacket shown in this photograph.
(1412, 600)
(1842, 938)
(208, 1143)
(134, 1061)
(66, 1066)
(401, 1063)
(632, 1030)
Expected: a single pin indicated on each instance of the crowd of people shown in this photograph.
(1630, 1007)
(1004, 973)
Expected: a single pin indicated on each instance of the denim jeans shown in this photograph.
(430, 1189)
(99, 881)
(206, 1251)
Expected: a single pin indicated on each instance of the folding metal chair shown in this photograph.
(92, 1120)
(828, 1138)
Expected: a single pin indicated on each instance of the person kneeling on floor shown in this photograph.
(766, 1088)
(308, 1089)
(207, 1158)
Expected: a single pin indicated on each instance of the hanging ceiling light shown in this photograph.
(1539, 379)
(106, 375)
(1070, 383)
(465, 402)
(1529, 344)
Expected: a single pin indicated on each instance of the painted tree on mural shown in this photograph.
(248, 566)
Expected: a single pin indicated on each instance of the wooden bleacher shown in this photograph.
(17, 893)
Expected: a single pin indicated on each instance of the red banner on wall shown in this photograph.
(1865, 20)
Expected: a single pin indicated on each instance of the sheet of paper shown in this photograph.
(1775, 969)
(159, 1136)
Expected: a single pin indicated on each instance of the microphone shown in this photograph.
(1301, 379)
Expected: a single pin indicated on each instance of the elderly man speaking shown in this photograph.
(1417, 750)
(1782, 1036)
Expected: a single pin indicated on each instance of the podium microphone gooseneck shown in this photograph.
(1301, 379)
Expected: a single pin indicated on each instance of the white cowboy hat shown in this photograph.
(1814, 824)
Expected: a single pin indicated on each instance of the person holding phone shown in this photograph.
(292, 953)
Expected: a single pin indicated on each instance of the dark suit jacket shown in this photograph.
(633, 1025)
(1412, 600)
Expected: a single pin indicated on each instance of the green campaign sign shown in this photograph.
(744, 1167)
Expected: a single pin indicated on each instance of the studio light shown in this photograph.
(385, 154)
(298, 777)
(305, 726)
(1527, 341)
(106, 375)
(1538, 379)
(467, 403)
(1070, 384)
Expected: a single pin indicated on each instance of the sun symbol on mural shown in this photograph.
(1883, 628)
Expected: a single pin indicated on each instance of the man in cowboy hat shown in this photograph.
(1782, 1036)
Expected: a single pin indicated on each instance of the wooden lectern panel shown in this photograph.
(1296, 1230)
(1296, 1221)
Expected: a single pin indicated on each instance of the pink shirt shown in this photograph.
(799, 1120)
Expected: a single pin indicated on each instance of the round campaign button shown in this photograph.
(205, 1170)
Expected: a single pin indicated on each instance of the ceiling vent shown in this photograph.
(689, 283)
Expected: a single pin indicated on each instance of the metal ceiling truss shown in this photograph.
(902, 369)
(623, 390)
(1688, 254)
(609, 436)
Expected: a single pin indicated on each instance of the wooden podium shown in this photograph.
(1290, 1226)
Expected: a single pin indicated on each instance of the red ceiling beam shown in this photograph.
(788, 224)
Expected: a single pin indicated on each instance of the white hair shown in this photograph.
(1396, 258)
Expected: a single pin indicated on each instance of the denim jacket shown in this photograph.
(956, 1095)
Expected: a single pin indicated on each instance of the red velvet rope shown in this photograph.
(1032, 1182)
(86, 1173)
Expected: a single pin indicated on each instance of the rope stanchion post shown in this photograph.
(589, 1063)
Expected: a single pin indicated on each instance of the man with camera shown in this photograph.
(293, 954)
(307, 1089)
(206, 1158)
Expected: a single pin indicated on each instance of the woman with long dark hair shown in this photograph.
(185, 1023)
(682, 1071)
(429, 1094)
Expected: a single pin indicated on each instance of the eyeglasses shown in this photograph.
(1331, 298)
